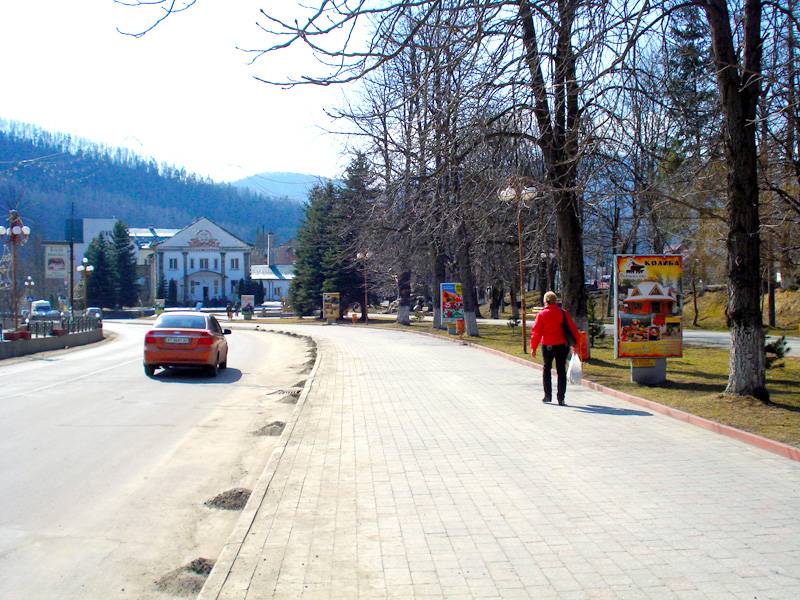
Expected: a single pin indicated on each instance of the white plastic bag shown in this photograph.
(575, 370)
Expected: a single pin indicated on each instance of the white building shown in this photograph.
(276, 280)
(204, 260)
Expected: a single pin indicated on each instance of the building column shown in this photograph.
(185, 277)
(225, 290)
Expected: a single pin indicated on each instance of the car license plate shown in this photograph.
(177, 340)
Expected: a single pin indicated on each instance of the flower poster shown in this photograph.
(648, 305)
(452, 302)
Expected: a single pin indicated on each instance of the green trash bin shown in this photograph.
(248, 316)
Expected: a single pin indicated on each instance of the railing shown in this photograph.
(61, 326)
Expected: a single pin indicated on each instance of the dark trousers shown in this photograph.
(559, 353)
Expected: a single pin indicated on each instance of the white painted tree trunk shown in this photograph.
(437, 318)
(404, 315)
(747, 362)
(470, 323)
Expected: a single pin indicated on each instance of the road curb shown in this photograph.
(233, 545)
(779, 448)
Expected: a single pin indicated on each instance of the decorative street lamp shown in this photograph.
(519, 193)
(365, 256)
(17, 233)
(82, 268)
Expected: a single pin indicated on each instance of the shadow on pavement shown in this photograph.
(610, 410)
(197, 376)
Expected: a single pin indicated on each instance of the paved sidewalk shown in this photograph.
(420, 468)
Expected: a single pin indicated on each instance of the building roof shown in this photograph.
(272, 272)
(646, 291)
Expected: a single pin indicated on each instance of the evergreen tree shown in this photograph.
(124, 263)
(305, 292)
(172, 293)
(101, 282)
(329, 240)
(161, 290)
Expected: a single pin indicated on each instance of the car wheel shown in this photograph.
(212, 370)
(224, 364)
(149, 370)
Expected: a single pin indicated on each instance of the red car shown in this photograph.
(186, 339)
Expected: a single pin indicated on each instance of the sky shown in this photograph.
(183, 93)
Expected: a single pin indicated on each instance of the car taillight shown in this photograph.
(205, 339)
(149, 338)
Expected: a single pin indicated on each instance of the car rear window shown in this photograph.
(182, 321)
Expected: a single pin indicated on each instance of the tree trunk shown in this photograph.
(404, 306)
(438, 273)
(497, 298)
(464, 266)
(694, 298)
(512, 292)
(739, 90)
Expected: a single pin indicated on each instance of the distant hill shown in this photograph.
(294, 186)
(42, 173)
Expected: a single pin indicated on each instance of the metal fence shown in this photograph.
(62, 326)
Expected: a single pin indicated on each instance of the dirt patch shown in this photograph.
(274, 428)
(234, 499)
(300, 384)
(187, 580)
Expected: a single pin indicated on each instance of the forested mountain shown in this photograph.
(43, 173)
(294, 186)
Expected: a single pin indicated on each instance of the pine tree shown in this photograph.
(101, 281)
(305, 292)
(161, 290)
(124, 264)
(172, 293)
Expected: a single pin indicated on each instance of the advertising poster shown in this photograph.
(248, 302)
(158, 304)
(452, 302)
(56, 261)
(330, 306)
(649, 303)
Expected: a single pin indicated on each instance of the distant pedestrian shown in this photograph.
(549, 330)
(229, 311)
(236, 309)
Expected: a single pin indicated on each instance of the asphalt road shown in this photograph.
(104, 471)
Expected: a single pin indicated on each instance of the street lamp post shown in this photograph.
(29, 285)
(82, 268)
(519, 194)
(17, 233)
(365, 256)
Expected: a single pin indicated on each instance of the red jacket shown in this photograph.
(547, 327)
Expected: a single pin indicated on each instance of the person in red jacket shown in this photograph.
(548, 330)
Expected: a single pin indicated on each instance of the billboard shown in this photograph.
(648, 304)
(452, 302)
(56, 261)
(330, 306)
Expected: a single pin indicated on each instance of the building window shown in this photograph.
(233, 287)
(191, 263)
(216, 287)
(216, 264)
(278, 292)
(204, 263)
(173, 264)
(234, 264)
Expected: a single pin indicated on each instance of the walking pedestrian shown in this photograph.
(550, 329)
(229, 311)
